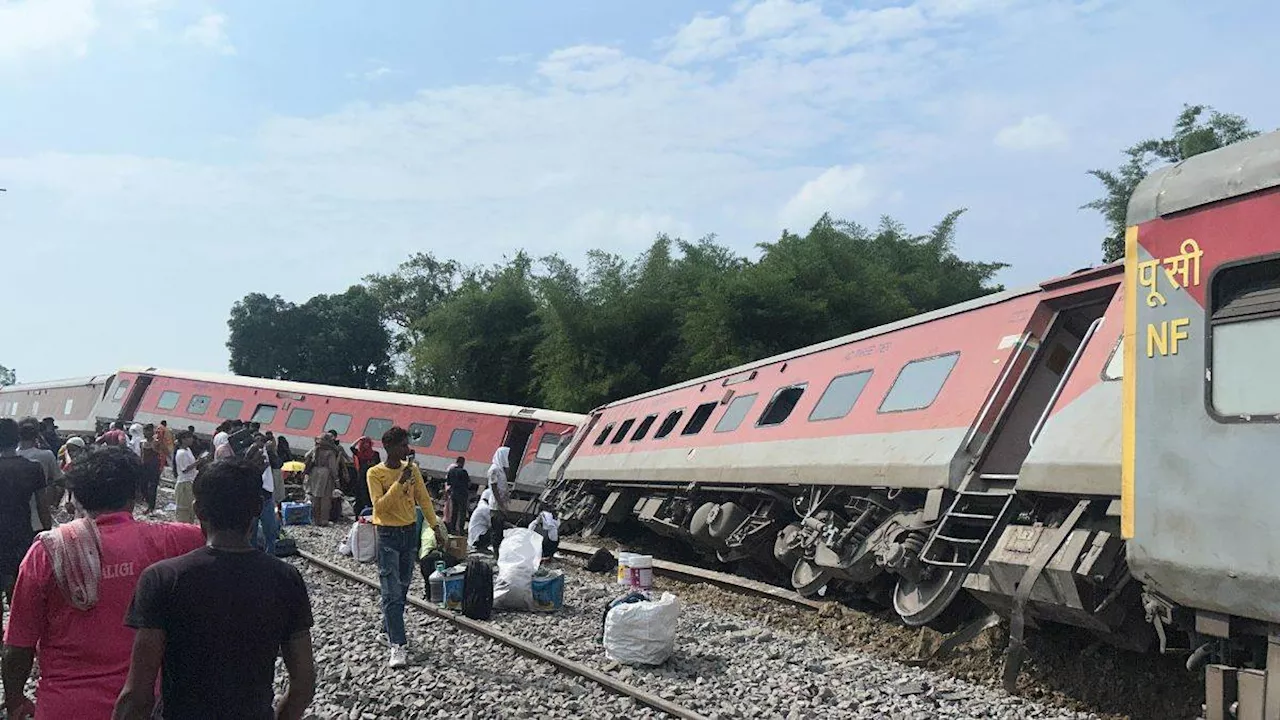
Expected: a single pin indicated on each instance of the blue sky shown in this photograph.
(165, 158)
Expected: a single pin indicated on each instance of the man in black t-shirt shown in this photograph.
(20, 481)
(218, 617)
(459, 486)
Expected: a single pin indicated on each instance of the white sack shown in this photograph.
(363, 541)
(642, 633)
(518, 558)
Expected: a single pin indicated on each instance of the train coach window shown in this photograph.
(1244, 339)
(300, 418)
(604, 434)
(623, 429)
(168, 400)
(668, 424)
(547, 447)
(198, 405)
(460, 440)
(120, 388)
(421, 434)
(643, 429)
(35, 407)
(230, 409)
(338, 422)
(780, 407)
(376, 427)
(264, 414)
(699, 418)
(66, 409)
(918, 383)
(840, 396)
(735, 413)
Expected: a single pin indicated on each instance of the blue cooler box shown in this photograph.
(296, 513)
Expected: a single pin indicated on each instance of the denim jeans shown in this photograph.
(267, 529)
(396, 554)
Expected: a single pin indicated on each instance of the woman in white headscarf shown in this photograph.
(135, 439)
(498, 478)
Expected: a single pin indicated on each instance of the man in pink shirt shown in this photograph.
(73, 618)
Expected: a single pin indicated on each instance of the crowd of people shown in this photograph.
(107, 603)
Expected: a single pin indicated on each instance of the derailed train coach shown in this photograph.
(1093, 451)
(440, 429)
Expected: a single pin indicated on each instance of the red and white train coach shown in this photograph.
(441, 429)
(903, 463)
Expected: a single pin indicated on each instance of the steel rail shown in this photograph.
(690, 573)
(522, 646)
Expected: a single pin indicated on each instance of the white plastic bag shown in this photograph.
(642, 633)
(363, 541)
(518, 558)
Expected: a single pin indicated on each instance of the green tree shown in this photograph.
(330, 339)
(1193, 133)
(477, 343)
(7, 376)
(410, 293)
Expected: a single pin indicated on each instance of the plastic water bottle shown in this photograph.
(436, 581)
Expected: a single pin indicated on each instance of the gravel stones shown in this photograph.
(726, 665)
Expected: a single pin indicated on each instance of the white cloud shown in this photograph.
(1034, 132)
(39, 27)
(703, 38)
(210, 31)
(842, 190)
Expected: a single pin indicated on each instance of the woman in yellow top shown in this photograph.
(396, 488)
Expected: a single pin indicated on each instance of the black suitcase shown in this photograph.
(477, 590)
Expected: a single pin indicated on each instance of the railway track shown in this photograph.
(563, 664)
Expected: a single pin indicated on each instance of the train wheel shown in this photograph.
(699, 525)
(807, 578)
(921, 601)
(788, 546)
(724, 519)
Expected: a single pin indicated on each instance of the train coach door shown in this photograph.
(134, 400)
(517, 438)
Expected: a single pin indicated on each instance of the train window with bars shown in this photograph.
(460, 440)
(604, 434)
(735, 413)
(264, 414)
(643, 428)
(623, 429)
(780, 407)
(121, 387)
(338, 422)
(669, 424)
(375, 427)
(168, 400)
(300, 418)
(421, 434)
(231, 409)
(699, 418)
(918, 383)
(1244, 340)
(198, 405)
(841, 395)
(66, 409)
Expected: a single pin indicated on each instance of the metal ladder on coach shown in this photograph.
(969, 527)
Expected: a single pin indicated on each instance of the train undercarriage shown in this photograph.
(938, 558)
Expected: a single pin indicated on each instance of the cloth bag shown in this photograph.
(642, 633)
(518, 558)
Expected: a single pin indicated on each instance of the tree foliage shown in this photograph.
(1193, 133)
(7, 376)
(547, 333)
(330, 339)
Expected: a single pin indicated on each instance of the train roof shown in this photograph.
(976, 303)
(1228, 172)
(382, 396)
(51, 384)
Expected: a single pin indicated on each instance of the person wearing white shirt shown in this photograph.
(479, 526)
(186, 467)
(546, 525)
